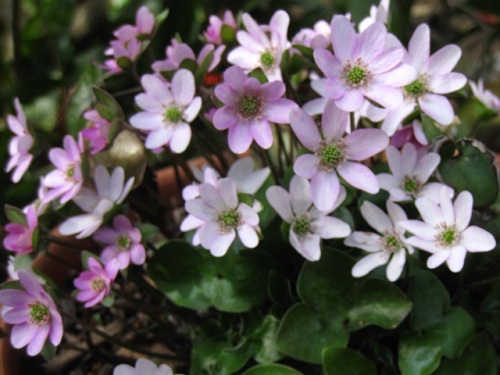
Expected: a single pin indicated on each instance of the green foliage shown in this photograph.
(271, 370)
(338, 361)
(468, 165)
(193, 278)
(334, 304)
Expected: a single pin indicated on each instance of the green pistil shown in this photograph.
(249, 106)
(70, 172)
(301, 226)
(356, 75)
(267, 59)
(411, 185)
(448, 236)
(229, 220)
(416, 88)
(123, 242)
(330, 155)
(39, 314)
(391, 243)
(97, 284)
(173, 114)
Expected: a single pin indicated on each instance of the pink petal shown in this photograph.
(248, 236)
(192, 110)
(226, 94)
(446, 83)
(305, 129)
(279, 110)
(308, 246)
(330, 227)
(430, 211)
(262, 133)
(463, 210)
(240, 137)
(364, 143)
(419, 47)
(159, 137)
(444, 60)
(376, 218)
(351, 101)
(372, 41)
(387, 96)
(36, 344)
(221, 243)
(325, 188)
(22, 334)
(224, 118)
(279, 199)
(328, 63)
(180, 138)
(183, 87)
(420, 229)
(300, 195)
(334, 121)
(235, 78)
(147, 121)
(359, 176)
(344, 39)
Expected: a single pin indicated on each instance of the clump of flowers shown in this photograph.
(310, 237)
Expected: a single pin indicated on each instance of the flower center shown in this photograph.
(357, 74)
(417, 88)
(173, 114)
(448, 236)
(70, 171)
(330, 154)
(97, 284)
(229, 220)
(39, 314)
(391, 243)
(301, 226)
(249, 107)
(123, 242)
(267, 59)
(411, 185)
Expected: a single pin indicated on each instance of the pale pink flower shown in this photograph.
(65, 181)
(143, 367)
(213, 32)
(98, 131)
(485, 96)
(365, 66)
(33, 314)
(378, 13)
(411, 169)
(434, 78)
(167, 111)
(262, 46)
(218, 216)
(144, 21)
(110, 190)
(333, 153)
(413, 133)
(94, 284)
(445, 231)
(308, 225)
(317, 37)
(19, 237)
(124, 243)
(19, 144)
(177, 52)
(387, 247)
(248, 109)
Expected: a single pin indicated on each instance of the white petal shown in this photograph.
(330, 227)
(279, 199)
(463, 210)
(376, 218)
(248, 236)
(369, 262)
(476, 239)
(438, 258)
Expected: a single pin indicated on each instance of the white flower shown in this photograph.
(143, 367)
(388, 247)
(308, 225)
(485, 96)
(410, 171)
(445, 231)
(218, 216)
(111, 189)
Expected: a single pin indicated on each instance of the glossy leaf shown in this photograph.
(274, 369)
(346, 361)
(417, 357)
(430, 300)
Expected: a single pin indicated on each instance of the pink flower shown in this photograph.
(124, 243)
(143, 367)
(111, 190)
(445, 231)
(260, 50)
(19, 145)
(333, 153)
(167, 111)
(308, 225)
(248, 109)
(213, 32)
(485, 96)
(97, 133)
(20, 237)
(218, 216)
(388, 247)
(434, 78)
(410, 171)
(318, 37)
(144, 21)
(33, 314)
(364, 66)
(413, 133)
(66, 181)
(95, 283)
(178, 52)
(378, 13)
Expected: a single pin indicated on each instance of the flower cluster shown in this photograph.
(336, 130)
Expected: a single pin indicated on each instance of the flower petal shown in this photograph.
(359, 176)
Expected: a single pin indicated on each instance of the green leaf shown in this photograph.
(228, 34)
(468, 165)
(265, 349)
(85, 258)
(417, 357)
(430, 300)
(431, 131)
(202, 69)
(190, 65)
(107, 106)
(274, 369)
(15, 215)
(480, 356)
(337, 361)
(193, 278)
(336, 303)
